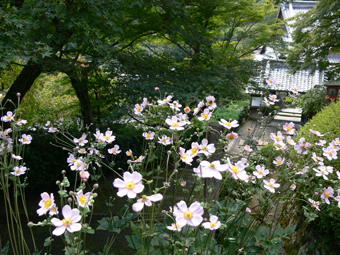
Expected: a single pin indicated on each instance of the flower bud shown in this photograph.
(69, 200)
(18, 94)
(63, 172)
(168, 152)
(71, 193)
(163, 212)
(30, 224)
(156, 88)
(96, 195)
(175, 171)
(167, 185)
(129, 161)
(95, 186)
(57, 182)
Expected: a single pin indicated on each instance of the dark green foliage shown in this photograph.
(315, 37)
(313, 101)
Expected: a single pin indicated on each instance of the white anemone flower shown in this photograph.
(146, 200)
(191, 216)
(174, 227)
(25, 139)
(130, 186)
(69, 223)
(213, 224)
(81, 141)
(207, 149)
(18, 170)
(175, 123)
(8, 117)
(46, 203)
(84, 200)
(213, 170)
(228, 124)
(108, 137)
(271, 185)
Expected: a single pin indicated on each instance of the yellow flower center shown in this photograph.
(139, 159)
(231, 137)
(187, 110)
(67, 222)
(270, 81)
(330, 153)
(277, 138)
(205, 115)
(175, 124)
(47, 203)
(184, 157)
(235, 169)
(210, 102)
(289, 128)
(83, 200)
(205, 148)
(148, 135)
(114, 150)
(18, 170)
(138, 108)
(176, 226)
(271, 185)
(260, 172)
(9, 117)
(228, 123)
(212, 224)
(25, 139)
(326, 194)
(130, 185)
(188, 215)
(212, 165)
(129, 153)
(194, 150)
(279, 162)
(107, 137)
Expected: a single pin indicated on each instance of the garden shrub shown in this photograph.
(313, 101)
(327, 122)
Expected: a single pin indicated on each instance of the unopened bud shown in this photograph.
(63, 172)
(30, 224)
(57, 182)
(69, 200)
(175, 171)
(18, 94)
(167, 185)
(95, 186)
(96, 195)
(168, 152)
(156, 88)
(71, 193)
(129, 161)
(163, 212)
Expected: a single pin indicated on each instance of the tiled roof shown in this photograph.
(285, 80)
(334, 58)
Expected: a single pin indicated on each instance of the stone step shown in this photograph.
(288, 119)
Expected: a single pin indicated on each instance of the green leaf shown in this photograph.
(262, 230)
(48, 241)
(290, 230)
(279, 231)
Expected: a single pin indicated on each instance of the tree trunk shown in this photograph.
(79, 83)
(21, 85)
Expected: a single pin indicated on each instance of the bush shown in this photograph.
(313, 101)
(328, 224)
